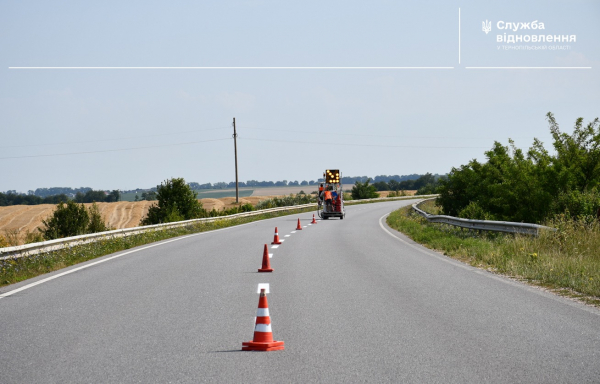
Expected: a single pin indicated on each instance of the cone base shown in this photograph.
(276, 242)
(258, 346)
(298, 229)
(265, 270)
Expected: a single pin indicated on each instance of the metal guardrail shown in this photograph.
(483, 225)
(350, 202)
(52, 245)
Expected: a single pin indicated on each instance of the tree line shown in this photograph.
(532, 186)
(90, 196)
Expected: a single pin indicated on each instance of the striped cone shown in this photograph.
(263, 336)
(266, 264)
(314, 221)
(299, 227)
(276, 239)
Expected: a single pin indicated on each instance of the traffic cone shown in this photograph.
(314, 221)
(299, 227)
(263, 336)
(266, 264)
(276, 239)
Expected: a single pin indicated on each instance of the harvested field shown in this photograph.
(22, 219)
(386, 193)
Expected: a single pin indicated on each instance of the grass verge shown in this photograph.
(566, 262)
(15, 270)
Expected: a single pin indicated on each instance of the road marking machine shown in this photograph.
(331, 196)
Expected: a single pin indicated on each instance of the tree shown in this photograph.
(113, 196)
(95, 224)
(67, 220)
(381, 186)
(364, 190)
(531, 186)
(176, 202)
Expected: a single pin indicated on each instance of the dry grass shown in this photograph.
(566, 261)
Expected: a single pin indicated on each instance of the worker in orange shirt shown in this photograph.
(328, 198)
(321, 191)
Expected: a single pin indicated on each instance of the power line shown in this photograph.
(112, 139)
(385, 136)
(113, 150)
(357, 145)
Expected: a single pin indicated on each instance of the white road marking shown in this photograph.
(10, 293)
(485, 273)
(270, 255)
(286, 236)
(264, 286)
(83, 267)
(274, 246)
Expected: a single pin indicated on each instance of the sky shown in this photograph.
(370, 88)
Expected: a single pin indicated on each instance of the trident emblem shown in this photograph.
(486, 26)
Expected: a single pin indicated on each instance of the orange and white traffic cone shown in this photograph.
(276, 239)
(314, 221)
(299, 227)
(263, 336)
(266, 263)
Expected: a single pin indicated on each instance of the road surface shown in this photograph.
(354, 301)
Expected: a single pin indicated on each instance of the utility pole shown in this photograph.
(237, 192)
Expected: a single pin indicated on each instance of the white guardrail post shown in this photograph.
(483, 225)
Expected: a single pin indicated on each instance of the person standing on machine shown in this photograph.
(328, 198)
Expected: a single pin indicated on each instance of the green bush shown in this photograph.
(96, 224)
(69, 219)
(285, 201)
(579, 205)
(364, 190)
(531, 186)
(176, 202)
(474, 212)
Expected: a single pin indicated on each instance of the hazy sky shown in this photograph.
(293, 123)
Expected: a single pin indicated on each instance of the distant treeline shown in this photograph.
(286, 183)
(90, 196)
(45, 192)
(425, 184)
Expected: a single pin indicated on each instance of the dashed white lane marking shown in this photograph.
(10, 293)
(282, 240)
(264, 286)
(270, 255)
(305, 226)
(286, 236)
(274, 246)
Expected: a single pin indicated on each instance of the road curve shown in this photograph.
(354, 301)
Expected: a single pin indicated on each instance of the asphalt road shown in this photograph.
(353, 300)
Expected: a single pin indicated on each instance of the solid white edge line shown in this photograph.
(31, 285)
(500, 278)
(9, 293)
